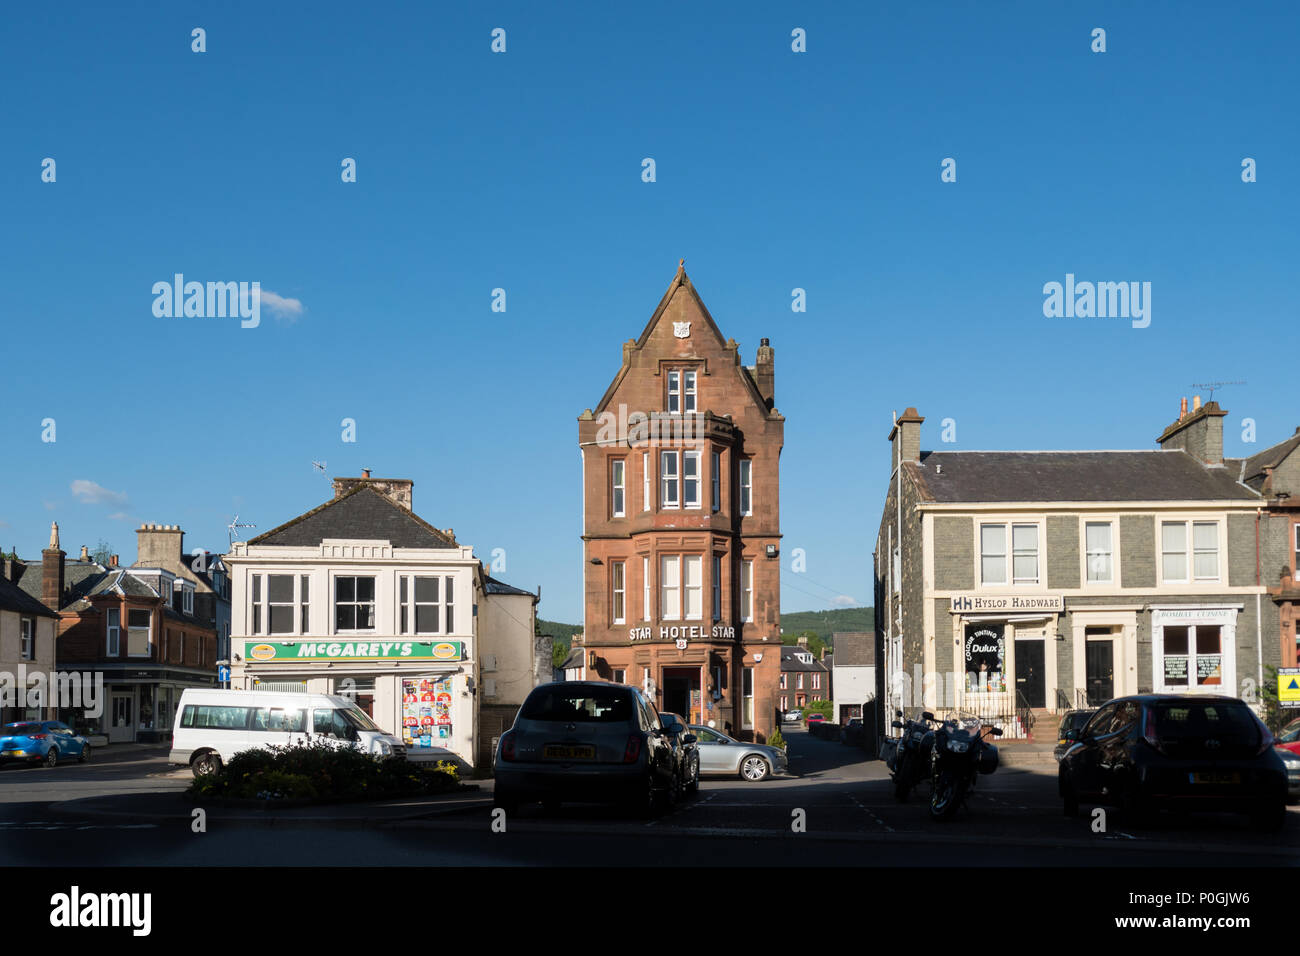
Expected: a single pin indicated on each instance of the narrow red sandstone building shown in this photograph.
(682, 523)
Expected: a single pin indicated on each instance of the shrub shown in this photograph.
(776, 740)
(317, 770)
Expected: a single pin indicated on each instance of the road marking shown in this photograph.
(45, 825)
(867, 810)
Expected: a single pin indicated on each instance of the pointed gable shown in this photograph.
(361, 514)
(681, 328)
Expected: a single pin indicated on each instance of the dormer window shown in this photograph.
(188, 598)
(681, 392)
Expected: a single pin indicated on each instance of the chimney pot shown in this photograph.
(1182, 409)
(85, 555)
(365, 472)
(1196, 403)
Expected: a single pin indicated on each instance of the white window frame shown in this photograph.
(747, 592)
(646, 609)
(618, 583)
(688, 392)
(291, 603)
(334, 604)
(1008, 553)
(745, 477)
(669, 479)
(1295, 530)
(747, 697)
(148, 644)
(670, 585)
(674, 392)
(696, 590)
(187, 600)
(113, 636)
(817, 681)
(645, 481)
(27, 638)
(1090, 553)
(618, 493)
(1190, 550)
(694, 481)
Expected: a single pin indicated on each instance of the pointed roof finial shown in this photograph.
(54, 536)
(681, 265)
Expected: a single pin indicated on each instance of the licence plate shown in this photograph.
(1214, 777)
(15, 753)
(566, 752)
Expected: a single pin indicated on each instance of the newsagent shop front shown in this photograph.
(418, 690)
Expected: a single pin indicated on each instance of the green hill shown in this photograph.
(825, 623)
(821, 623)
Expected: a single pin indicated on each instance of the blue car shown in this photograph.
(41, 741)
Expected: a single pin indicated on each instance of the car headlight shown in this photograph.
(1292, 761)
(384, 747)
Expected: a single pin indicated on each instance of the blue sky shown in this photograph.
(522, 170)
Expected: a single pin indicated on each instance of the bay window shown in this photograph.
(681, 587)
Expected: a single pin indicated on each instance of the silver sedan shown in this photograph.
(720, 754)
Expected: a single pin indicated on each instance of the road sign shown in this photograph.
(223, 674)
(1288, 686)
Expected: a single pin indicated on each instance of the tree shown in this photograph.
(103, 552)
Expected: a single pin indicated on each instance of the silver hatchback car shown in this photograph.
(720, 754)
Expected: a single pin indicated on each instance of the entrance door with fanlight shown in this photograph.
(1099, 665)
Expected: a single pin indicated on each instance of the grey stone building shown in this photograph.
(1019, 584)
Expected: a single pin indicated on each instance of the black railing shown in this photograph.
(1024, 713)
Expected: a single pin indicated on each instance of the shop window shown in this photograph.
(1193, 656)
(354, 604)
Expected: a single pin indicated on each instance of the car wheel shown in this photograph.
(754, 768)
(693, 786)
(85, 753)
(649, 799)
(52, 757)
(205, 765)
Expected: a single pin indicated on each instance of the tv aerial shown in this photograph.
(232, 530)
(319, 466)
(1213, 385)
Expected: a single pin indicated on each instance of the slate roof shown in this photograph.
(791, 663)
(854, 648)
(1252, 469)
(362, 513)
(14, 598)
(80, 579)
(988, 476)
(492, 586)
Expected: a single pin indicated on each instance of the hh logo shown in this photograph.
(961, 604)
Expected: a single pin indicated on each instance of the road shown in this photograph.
(834, 809)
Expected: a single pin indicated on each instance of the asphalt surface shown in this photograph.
(833, 809)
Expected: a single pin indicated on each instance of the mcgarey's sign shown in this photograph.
(276, 651)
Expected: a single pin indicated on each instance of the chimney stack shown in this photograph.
(765, 373)
(906, 437)
(52, 571)
(159, 545)
(112, 561)
(13, 568)
(397, 490)
(1198, 433)
(85, 555)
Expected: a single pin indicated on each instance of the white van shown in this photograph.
(214, 725)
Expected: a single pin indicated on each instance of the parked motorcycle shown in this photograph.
(959, 754)
(910, 763)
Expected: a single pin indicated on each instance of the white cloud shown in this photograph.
(87, 492)
(119, 516)
(287, 310)
(843, 600)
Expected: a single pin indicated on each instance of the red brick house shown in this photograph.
(135, 626)
(682, 528)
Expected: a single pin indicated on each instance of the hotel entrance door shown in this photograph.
(681, 686)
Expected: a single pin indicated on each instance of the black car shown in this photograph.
(688, 757)
(587, 742)
(1072, 722)
(1176, 751)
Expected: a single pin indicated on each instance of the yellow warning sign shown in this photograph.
(1288, 686)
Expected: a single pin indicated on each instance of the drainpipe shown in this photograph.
(582, 562)
(1259, 626)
